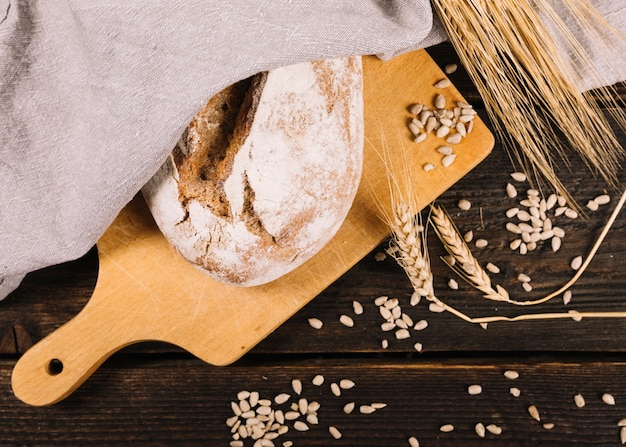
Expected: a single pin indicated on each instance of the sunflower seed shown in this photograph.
(391, 303)
(576, 263)
(281, 398)
(366, 409)
(300, 426)
(576, 316)
(415, 109)
(522, 277)
(480, 430)
(510, 374)
(236, 408)
(420, 138)
(413, 442)
(518, 176)
(421, 325)
(492, 268)
(602, 199)
(334, 432)
(567, 297)
(346, 320)
(428, 167)
(312, 419)
(622, 435)
(454, 138)
(523, 216)
(512, 212)
(450, 68)
(608, 399)
(579, 400)
(402, 334)
(379, 301)
(388, 326)
(348, 408)
(292, 415)
(430, 124)
(444, 150)
(315, 323)
(418, 347)
(511, 191)
(416, 129)
(436, 308)
(474, 390)
(303, 405)
(593, 205)
(464, 204)
(515, 392)
(481, 243)
(318, 380)
(513, 228)
(453, 284)
(334, 388)
(296, 385)
(346, 384)
(440, 101)
(357, 307)
(555, 242)
(442, 131)
(494, 429)
(443, 83)
(447, 428)
(467, 237)
(447, 160)
(534, 413)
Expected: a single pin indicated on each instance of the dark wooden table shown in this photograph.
(156, 394)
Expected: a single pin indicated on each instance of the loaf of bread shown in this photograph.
(265, 173)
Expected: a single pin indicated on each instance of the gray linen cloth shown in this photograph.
(94, 94)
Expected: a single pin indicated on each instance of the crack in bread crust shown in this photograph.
(211, 143)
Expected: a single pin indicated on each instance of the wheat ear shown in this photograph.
(461, 260)
(408, 248)
(531, 92)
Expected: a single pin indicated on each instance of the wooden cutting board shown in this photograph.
(146, 291)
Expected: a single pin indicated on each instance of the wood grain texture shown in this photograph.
(156, 394)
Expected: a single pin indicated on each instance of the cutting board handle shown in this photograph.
(56, 366)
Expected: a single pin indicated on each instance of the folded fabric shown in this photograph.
(94, 94)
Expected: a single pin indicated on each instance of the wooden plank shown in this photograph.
(126, 402)
(146, 291)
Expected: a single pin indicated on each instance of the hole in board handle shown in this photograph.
(54, 367)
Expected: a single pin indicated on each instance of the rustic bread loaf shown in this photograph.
(266, 172)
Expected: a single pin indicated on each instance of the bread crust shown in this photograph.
(265, 173)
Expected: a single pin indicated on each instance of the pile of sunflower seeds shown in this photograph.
(263, 420)
(451, 125)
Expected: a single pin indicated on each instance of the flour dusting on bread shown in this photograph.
(266, 173)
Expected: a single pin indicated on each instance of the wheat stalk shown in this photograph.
(531, 93)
